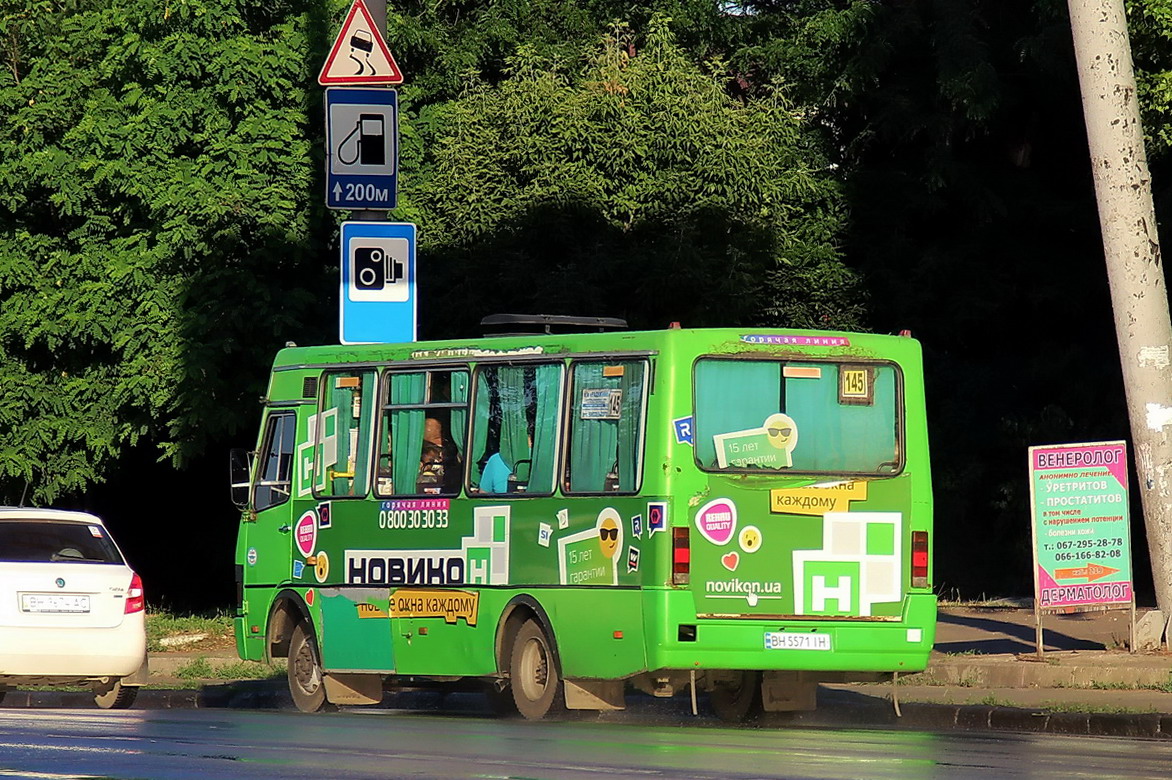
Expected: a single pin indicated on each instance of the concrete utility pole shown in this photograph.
(1134, 268)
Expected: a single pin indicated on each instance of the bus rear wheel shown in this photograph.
(306, 680)
(534, 677)
(737, 701)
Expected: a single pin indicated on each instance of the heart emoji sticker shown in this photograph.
(731, 560)
(309, 597)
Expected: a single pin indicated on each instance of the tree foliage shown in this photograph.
(155, 226)
(629, 185)
(1150, 27)
(826, 163)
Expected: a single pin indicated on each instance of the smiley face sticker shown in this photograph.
(321, 568)
(750, 538)
(610, 532)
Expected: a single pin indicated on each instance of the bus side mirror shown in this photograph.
(239, 473)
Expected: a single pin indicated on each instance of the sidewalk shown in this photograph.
(983, 674)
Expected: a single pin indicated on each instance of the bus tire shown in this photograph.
(738, 702)
(533, 673)
(115, 695)
(306, 680)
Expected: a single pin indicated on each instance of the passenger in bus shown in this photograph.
(494, 477)
(386, 483)
(439, 463)
(431, 469)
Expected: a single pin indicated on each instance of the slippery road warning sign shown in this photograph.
(360, 55)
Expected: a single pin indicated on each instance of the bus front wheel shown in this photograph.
(533, 673)
(306, 682)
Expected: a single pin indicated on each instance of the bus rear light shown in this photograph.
(920, 559)
(681, 556)
(135, 598)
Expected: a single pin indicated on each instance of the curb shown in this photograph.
(238, 695)
(928, 716)
(1010, 673)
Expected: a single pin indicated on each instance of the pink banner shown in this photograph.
(1112, 457)
(1051, 594)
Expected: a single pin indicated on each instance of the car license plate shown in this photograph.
(54, 602)
(792, 640)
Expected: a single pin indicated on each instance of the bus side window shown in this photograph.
(275, 477)
(421, 433)
(606, 427)
(515, 429)
(345, 419)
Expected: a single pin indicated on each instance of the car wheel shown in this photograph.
(739, 701)
(306, 680)
(115, 696)
(533, 674)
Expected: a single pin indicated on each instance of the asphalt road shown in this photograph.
(53, 744)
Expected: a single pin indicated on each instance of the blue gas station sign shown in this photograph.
(362, 149)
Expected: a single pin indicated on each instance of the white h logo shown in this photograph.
(478, 571)
(840, 593)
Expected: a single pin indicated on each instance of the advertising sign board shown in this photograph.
(1081, 526)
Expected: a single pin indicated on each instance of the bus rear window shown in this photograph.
(823, 418)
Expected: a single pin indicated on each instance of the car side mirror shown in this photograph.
(239, 475)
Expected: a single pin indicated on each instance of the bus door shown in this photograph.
(808, 506)
(339, 522)
(266, 539)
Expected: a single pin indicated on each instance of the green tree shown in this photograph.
(157, 238)
(1150, 26)
(973, 224)
(630, 185)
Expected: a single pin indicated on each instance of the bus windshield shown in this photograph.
(812, 417)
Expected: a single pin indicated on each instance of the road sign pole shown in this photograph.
(378, 12)
(377, 256)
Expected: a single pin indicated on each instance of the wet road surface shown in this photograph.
(165, 744)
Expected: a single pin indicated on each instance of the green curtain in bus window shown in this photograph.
(485, 381)
(459, 425)
(593, 443)
(407, 430)
(365, 428)
(841, 437)
(514, 420)
(547, 384)
(733, 395)
(630, 425)
(341, 402)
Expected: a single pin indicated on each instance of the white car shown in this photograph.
(71, 611)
